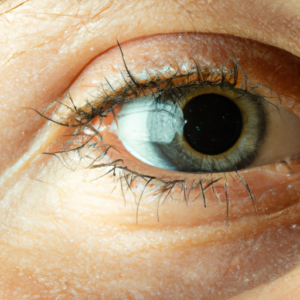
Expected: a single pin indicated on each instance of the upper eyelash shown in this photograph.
(109, 97)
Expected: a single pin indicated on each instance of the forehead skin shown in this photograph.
(45, 44)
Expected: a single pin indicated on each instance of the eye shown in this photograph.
(187, 112)
(131, 114)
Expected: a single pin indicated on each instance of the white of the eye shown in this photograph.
(144, 123)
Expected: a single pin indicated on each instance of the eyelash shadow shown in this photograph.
(81, 118)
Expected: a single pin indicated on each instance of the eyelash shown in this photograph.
(162, 84)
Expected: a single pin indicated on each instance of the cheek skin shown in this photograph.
(72, 236)
(58, 235)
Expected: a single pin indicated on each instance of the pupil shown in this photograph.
(214, 123)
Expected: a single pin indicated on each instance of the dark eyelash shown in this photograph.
(111, 97)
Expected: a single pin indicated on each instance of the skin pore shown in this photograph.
(65, 237)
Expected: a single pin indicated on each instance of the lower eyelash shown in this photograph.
(82, 145)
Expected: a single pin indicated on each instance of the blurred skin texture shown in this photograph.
(67, 236)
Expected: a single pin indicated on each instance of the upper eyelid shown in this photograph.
(125, 91)
(123, 80)
(128, 88)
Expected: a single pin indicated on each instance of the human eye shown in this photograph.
(129, 123)
(93, 221)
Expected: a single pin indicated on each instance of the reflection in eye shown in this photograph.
(132, 116)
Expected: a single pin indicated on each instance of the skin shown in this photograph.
(65, 237)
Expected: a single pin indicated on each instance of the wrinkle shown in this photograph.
(11, 8)
(9, 59)
(101, 10)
